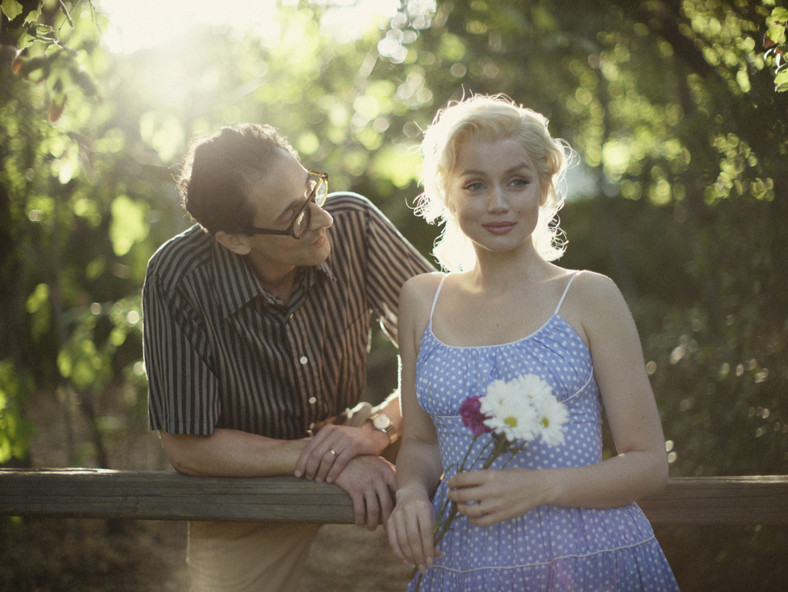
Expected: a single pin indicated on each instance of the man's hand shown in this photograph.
(370, 481)
(328, 453)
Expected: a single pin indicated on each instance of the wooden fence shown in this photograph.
(100, 493)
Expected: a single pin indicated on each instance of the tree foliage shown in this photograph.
(680, 190)
(775, 40)
(670, 105)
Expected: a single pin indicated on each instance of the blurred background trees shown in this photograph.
(679, 191)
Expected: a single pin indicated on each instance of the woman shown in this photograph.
(557, 517)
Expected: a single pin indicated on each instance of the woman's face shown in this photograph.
(494, 192)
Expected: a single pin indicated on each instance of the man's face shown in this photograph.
(276, 199)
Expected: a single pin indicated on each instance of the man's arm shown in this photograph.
(231, 453)
(368, 480)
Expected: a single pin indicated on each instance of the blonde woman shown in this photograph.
(557, 517)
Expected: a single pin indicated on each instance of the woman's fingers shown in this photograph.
(410, 532)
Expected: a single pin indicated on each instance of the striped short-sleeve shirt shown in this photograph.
(221, 352)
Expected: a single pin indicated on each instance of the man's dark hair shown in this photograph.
(219, 170)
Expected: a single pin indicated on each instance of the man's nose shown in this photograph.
(321, 218)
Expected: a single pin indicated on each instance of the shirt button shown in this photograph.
(303, 360)
(312, 400)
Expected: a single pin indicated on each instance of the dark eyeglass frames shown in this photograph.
(300, 223)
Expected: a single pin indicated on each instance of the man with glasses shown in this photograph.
(257, 323)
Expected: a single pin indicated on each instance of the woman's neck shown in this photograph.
(500, 271)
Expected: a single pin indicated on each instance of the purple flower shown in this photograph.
(472, 417)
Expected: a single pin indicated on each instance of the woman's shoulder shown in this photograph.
(415, 304)
(594, 299)
(577, 285)
(419, 291)
(423, 283)
(592, 284)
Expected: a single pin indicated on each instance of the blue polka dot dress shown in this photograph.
(550, 548)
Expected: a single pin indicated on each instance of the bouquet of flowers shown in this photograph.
(514, 413)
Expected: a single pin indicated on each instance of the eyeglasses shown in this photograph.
(300, 223)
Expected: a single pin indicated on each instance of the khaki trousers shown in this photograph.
(247, 556)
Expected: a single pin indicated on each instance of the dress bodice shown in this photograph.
(446, 375)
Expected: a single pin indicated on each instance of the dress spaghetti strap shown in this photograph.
(560, 302)
(435, 298)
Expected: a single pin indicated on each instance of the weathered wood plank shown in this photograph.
(97, 493)
(761, 499)
(94, 493)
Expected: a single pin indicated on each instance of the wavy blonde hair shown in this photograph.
(492, 117)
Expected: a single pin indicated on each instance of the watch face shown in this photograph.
(382, 422)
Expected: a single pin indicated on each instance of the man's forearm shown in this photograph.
(231, 453)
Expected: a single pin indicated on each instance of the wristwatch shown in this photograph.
(382, 423)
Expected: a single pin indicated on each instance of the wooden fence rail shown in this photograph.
(100, 493)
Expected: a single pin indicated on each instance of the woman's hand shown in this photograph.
(491, 496)
(410, 530)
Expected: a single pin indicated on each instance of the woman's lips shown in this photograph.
(499, 227)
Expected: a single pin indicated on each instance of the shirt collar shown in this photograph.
(237, 285)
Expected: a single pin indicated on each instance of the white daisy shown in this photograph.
(523, 409)
(553, 415)
(509, 411)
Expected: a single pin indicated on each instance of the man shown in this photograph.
(257, 325)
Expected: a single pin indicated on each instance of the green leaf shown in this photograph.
(38, 306)
(11, 8)
(397, 163)
(15, 429)
(82, 363)
(164, 133)
(781, 81)
(776, 34)
(128, 224)
(780, 14)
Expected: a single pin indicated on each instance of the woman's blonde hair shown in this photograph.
(492, 117)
